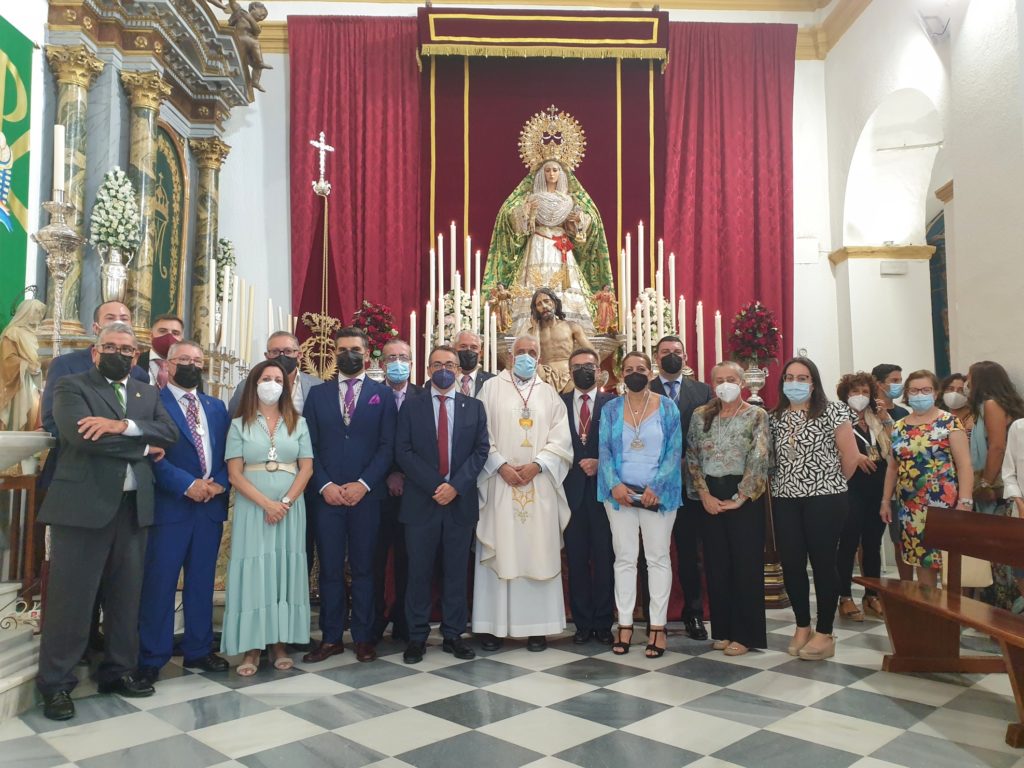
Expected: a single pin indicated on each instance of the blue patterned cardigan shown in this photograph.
(668, 480)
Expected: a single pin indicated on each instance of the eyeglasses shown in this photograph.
(272, 354)
(196, 361)
(126, 349)
(584, 367)
(397, 358)
(920, 391)
(436, 366)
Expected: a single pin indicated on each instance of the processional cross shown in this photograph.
(322, 187)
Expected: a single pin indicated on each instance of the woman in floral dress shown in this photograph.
(930, 465)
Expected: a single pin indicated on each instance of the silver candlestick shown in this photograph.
(61, 243)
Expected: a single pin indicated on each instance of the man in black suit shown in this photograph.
(397, 359)
(98, 507)
(588, 537)
(441, 445)
(689, 395)
(470, 377)
(166, 330)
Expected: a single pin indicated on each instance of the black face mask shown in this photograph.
(468, 359)
(350, 363)
(672, 363)
(114, 365)
(584, 378)
(188, 376)
(636, 382)
(288, 363)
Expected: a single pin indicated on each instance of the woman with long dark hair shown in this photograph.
(270, 460)
(815, 454)
(954, 400)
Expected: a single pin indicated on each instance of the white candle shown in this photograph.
(224, 318)
(699, 328)
(270, 316)
(619, 285)
(494, 342)
(476, 312)
(661, 256)
(627, 317)
(457, 304)
(718, 337)
(439, 306)
(659, 307)
(629, 269)
(250, 316)
(638, 321)
(672, 291)
(433, 278)
(235, 306)
(466, 274)
(451, 272)
(58, 158)
(682, 320)
(412, 346)
(648, 342)
(640, 257)
(428, 328)
(477, 274)
(211, 299)
(295, 323)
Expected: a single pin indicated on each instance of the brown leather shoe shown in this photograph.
(323, 651)
(365, 652)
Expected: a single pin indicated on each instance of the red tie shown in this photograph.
(161, 373)
(467, 381)
(442, 436)
(584, 426)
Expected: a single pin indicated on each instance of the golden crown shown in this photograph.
(552, 135)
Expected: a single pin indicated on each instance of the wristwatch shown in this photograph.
(286, 501)
(966, 502)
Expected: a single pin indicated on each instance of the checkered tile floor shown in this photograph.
(568, 706)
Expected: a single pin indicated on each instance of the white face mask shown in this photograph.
(858, 402)
(269, 392)
(727, 391)
(954, 400)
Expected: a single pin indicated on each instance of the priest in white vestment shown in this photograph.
(523, 510)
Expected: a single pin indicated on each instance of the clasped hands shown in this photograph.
(518, 475)
(623, 495)
(347, 495)
(715, 506)
(203, 490)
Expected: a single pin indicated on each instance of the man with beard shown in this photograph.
(558, 337)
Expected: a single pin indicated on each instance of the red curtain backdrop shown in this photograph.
(729, 173)
(355, 78)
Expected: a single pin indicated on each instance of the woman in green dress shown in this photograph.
(270, 460)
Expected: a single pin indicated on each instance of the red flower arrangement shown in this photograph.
(755, 334)
(377, 322)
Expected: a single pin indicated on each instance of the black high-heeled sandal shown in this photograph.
(621, 647)
(653, 651)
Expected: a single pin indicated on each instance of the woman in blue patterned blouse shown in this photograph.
(640, 482)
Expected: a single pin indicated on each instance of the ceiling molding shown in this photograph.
(883, 252)
(764, 6)
(945, 192)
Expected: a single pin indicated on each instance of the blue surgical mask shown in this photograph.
(525, 366)
(398, 371)
(443, 378)
(797, 392)
(921, 403)
(895, 390)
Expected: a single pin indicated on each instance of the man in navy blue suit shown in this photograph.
(190, 509)
(441, 445)
(588, 537)
(352, 428)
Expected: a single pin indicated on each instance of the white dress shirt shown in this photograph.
(577, 403)
(179, 397)
(298, 399)
(132, 430)
(342, 378)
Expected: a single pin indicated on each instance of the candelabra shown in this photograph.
(226, 370)
(61, 243)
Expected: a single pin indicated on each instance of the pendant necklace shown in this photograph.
(873, 453)
(637, 444)
(524, 414)
(271, 464)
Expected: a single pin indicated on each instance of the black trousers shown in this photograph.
(423, 543)
(734, 561)
(390, 541)
(686, 535)
(809, 528)
(588, 552)
(81, 559)
(864, 528)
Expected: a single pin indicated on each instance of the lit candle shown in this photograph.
(451, 271)
(211, 299)
(58, 158)
(659, 307)
(699, 327)
(412, 346)
(457, 304)
(477, 274)
(640, 257)
(718, 337)
(466, 274)
(672, 291)
(224, 319)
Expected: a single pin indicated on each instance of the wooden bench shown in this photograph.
(924, 622)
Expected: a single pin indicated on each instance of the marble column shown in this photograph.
(75, 67)
(147, 90)
(210, 155)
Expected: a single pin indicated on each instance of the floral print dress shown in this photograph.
(926, 477)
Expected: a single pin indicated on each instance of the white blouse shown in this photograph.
(1013, 461)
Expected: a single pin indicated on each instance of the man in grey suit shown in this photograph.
(284, 347)
(470, 377)
(98, 507)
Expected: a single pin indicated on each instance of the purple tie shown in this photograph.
(192, 417)
(350, 399)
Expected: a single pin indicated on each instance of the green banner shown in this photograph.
(15, 119)
(169, 217)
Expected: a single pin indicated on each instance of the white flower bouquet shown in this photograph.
(115, 215)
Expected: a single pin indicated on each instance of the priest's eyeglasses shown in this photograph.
(437, 366)
(124, 349)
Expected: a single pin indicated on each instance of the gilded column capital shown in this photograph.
(73, 64)
(147, 89)
(211, 153)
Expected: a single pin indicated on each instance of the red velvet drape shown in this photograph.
(729, 176)
(355, 78)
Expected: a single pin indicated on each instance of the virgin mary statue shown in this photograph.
(548, 232)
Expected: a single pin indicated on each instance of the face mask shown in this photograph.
(468, 359)
(162, 344)
(350, 363)
(921, 403)
(727, 391)
(398, 371)
(187, 376)
(672, 363)
(584, 378)
(288, 363)
(858, 402)
(269, 392)
(954, 400)
(114, 365)
(525, 366)
(443, 379)
(895, 390)
(797, 392)
(636, 382)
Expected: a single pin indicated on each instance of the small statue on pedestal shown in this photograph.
(604, 318)
(500, 299)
